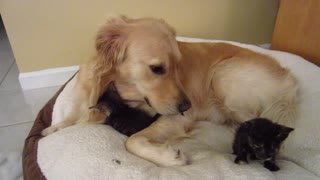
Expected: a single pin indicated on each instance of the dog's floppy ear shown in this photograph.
(111, 40)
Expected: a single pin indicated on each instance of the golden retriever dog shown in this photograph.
(184, 82)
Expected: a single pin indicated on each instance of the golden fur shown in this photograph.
(224, 83)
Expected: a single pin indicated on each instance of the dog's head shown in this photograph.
(144, 55)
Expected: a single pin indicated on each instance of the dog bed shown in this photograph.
(95, 151)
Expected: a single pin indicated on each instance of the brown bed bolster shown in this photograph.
(31, 169)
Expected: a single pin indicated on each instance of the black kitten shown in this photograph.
(123, 118)
(260, 139)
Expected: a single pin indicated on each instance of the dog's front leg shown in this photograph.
(69, 121)
(154, 142)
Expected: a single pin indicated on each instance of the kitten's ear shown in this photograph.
(113, 93)
(247, 125)
(112, 87)
(100, 107)
(284, 132)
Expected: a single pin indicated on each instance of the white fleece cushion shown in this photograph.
(92, 151)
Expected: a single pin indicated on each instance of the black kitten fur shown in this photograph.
(260, 139)
(123, 118)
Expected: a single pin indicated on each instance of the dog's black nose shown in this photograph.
(184, 105)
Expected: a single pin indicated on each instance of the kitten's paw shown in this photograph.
(253, 157)
(271, 166)
(240, 161)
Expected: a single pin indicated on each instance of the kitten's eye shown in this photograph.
(258, 146)
(157, 69)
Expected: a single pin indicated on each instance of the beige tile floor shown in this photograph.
(18, 108)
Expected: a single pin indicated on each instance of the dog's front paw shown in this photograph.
(158, 153)
(49, 130)
(181, 158)
(173, 157)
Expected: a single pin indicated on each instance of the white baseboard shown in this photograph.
(265, 46)
(46, 78)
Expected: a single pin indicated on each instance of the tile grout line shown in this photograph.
(7, 72)
(3, 126)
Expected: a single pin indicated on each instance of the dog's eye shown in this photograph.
(157, 69)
